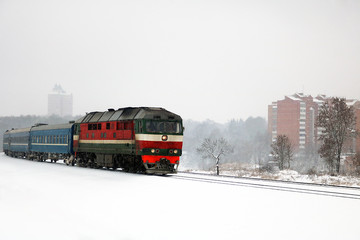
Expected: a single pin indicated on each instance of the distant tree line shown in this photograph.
(245, 141)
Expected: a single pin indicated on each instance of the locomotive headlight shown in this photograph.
(175, 151)
(152, 150)
(164, 137)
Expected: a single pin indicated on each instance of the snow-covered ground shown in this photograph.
(54, 201)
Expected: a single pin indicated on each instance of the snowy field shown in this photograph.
(54, 201)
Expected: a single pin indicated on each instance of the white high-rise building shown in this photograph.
(60, 103)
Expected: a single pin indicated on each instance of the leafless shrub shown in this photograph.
(215, 149)
(282, 151)
(312, 171)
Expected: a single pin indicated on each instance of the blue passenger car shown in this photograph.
(52, 141)
(6, 142)
(16, 142)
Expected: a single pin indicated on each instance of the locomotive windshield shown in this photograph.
(163, 127)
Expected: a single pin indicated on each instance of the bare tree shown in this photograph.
(338, 123)
(261, 147)
(282, 151)
(328, 153)
(214, 149)
(356, 163)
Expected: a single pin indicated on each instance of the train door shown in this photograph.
(75, 137)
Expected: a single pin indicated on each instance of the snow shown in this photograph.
(54, 201)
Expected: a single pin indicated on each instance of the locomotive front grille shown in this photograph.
(164, 163)
(163, 166)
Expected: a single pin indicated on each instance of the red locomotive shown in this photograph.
(141, 139)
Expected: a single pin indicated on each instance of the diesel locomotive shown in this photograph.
(136, 139)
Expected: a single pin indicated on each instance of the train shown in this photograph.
(135, 139)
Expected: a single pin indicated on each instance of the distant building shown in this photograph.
(60, 103)
(295, 116)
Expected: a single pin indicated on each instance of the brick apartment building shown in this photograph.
(295, 116)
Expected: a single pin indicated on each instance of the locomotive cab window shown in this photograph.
(163, 127)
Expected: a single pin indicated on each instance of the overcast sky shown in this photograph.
(202, 59)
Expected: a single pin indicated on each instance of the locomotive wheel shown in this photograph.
(126, 168)
(114, 167)
(99, 166)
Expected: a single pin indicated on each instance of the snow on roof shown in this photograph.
(316, 100)
(351, 102)
(320, 99)
(292, 97)
(298, 96)
(301, 95)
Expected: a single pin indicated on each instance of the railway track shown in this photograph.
(295, 187)
(273, 180)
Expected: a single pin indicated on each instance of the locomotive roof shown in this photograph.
(129, 113)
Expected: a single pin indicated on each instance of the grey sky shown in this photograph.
(202, 59)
